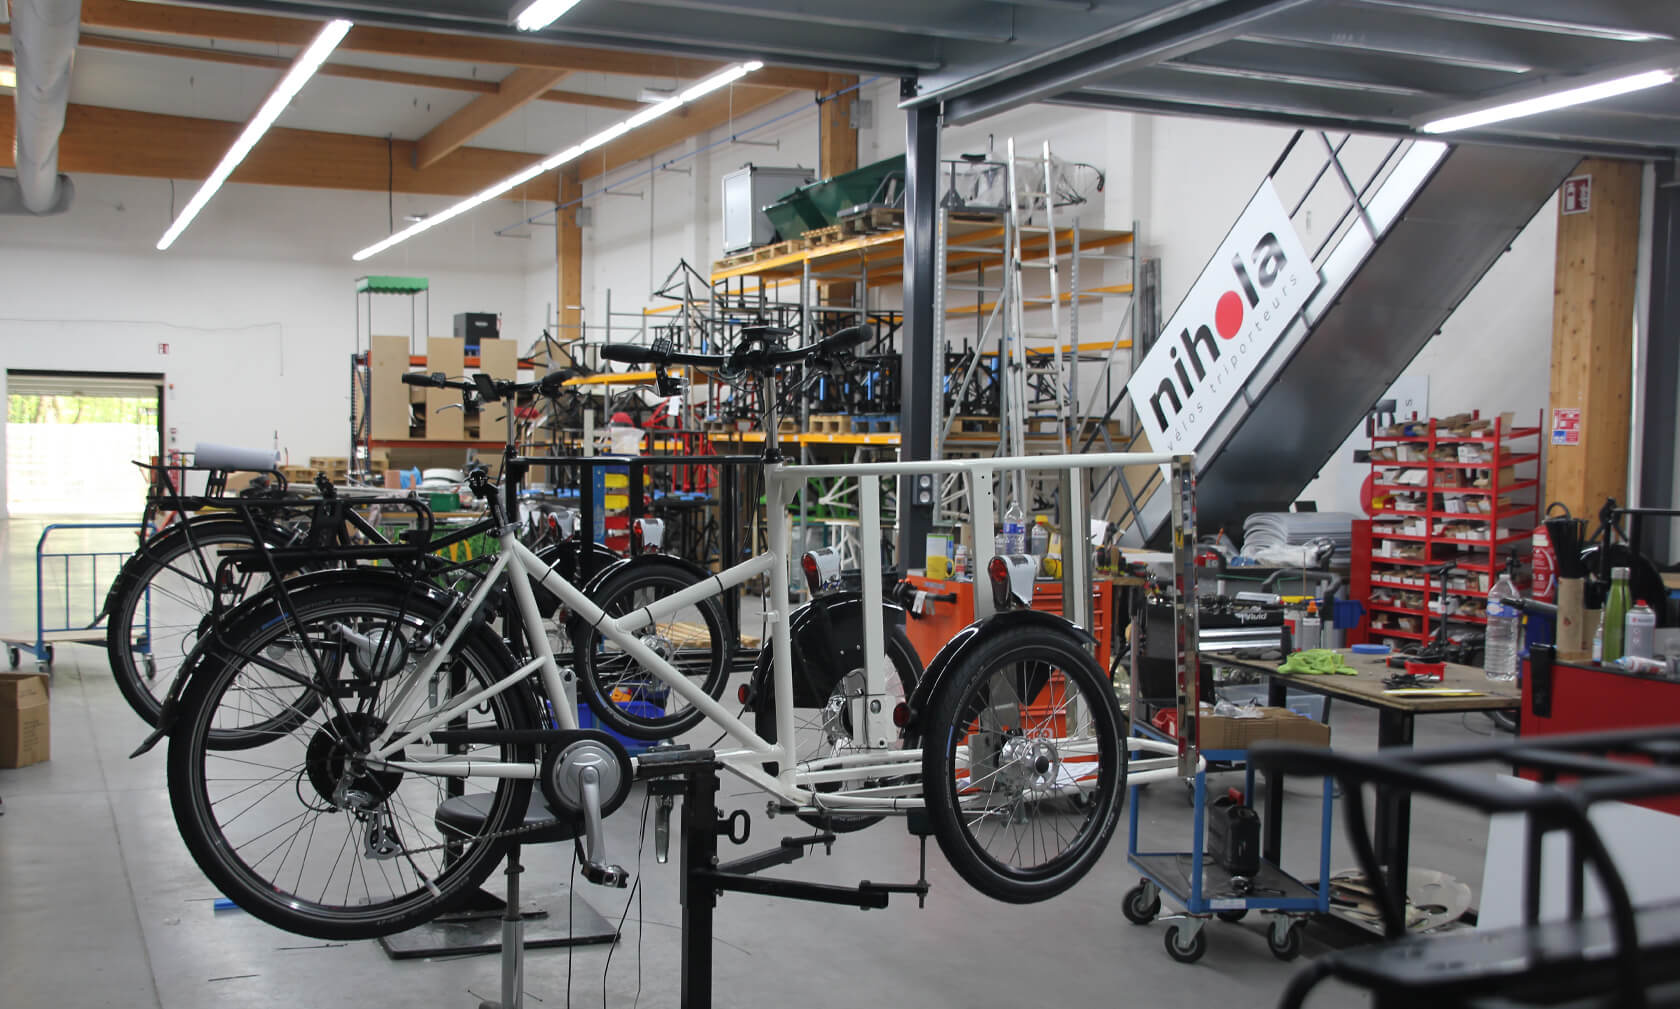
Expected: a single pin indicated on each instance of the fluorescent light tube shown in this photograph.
(705, 87)
(8, 77)
(1550, 102)
(541, 13)
(302, 69)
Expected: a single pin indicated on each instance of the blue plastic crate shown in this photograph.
(586, 720)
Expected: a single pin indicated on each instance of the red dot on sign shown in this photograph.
(1228, 317)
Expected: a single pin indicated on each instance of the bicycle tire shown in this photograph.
(622, 694)
(143, 662)
(1005, 678)
(904, 664)
(425, 869)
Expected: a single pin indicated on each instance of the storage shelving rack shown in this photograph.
(1511, 503)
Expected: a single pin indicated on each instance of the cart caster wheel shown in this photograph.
(49, 656)
(1285, 939)
(1140, 907)
(12, 657)
(1234, 915)
(1188, 953)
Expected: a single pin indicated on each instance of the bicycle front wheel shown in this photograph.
(303, 828)
(1024, 767)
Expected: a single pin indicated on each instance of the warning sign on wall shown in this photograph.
(1566, 425)
(1576, 194)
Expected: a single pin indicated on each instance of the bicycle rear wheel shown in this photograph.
(1024, 767)
(162, 601)
(301, 829)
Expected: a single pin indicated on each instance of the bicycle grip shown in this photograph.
(626, 353)
(421, 378)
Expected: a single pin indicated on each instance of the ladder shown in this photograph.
(1033, 381)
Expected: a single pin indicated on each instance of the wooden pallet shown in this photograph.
(824, 236)
(872, 221)
(874, 423)
(975, 425)
(830, 423)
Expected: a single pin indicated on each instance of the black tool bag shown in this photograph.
(1233, 836)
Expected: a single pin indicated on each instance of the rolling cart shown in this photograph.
(1191, 878)
(70, 627)
(1206, 889)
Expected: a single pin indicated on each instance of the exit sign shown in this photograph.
(1577, 194)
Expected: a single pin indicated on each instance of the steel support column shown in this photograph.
(1662, 364)
(919, 412)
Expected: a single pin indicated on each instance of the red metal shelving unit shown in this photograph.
(1508, 523)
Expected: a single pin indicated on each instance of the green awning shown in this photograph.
(390, 285)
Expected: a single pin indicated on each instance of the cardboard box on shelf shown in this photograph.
(25, 729)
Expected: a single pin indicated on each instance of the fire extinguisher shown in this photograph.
(1542, 630)
(1544, 588)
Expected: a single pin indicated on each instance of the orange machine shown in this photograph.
(947, 618)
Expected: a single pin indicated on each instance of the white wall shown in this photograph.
(256, 302)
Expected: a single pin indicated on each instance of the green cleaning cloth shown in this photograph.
(1318, 662)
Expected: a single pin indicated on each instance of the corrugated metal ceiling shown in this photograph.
(1372, 65)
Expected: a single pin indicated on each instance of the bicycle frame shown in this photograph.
(792, 784)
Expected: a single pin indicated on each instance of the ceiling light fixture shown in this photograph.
(8, 77)
(302, 69)
(705, 87)
(539, 14)
(1587, 90)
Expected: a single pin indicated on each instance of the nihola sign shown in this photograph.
(1243, 301)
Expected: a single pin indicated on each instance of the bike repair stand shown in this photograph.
(703, 879)
(489, 924)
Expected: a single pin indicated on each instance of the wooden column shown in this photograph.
(568, 259)
(838, 154)
(1592, 337)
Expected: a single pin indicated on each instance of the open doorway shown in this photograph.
(72, 438)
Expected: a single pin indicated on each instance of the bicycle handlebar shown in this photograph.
(487, 388)
(751, 356)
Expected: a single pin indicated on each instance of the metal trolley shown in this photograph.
(1190, 878)
(67, 617)
(1206, 889)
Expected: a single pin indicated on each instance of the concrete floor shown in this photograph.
(100, 904)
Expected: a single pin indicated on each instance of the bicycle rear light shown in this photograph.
(997, 570)
(821, 569)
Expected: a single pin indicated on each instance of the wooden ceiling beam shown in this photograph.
(442, 82)
(104, 141)
(164, 18)
(519, 87)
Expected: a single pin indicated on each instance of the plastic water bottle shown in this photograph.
(1504, 630)
(1015, 529)
(1039, 539)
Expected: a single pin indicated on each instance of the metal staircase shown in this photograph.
(1413, 226)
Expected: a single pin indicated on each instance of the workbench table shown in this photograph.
(1395, 715)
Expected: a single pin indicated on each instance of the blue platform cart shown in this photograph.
(1206, 890)
(70, 619)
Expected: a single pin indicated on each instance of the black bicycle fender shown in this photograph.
(166, 537)
(835, 607)
(975, 635)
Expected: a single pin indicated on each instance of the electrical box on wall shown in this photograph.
(746, 192)
(475, 326)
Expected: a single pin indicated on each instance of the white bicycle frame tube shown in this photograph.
(791, 784)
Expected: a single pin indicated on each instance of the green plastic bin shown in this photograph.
(832, 196)
(794, 214)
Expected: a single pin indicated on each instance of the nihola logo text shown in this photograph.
(1259, 294)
